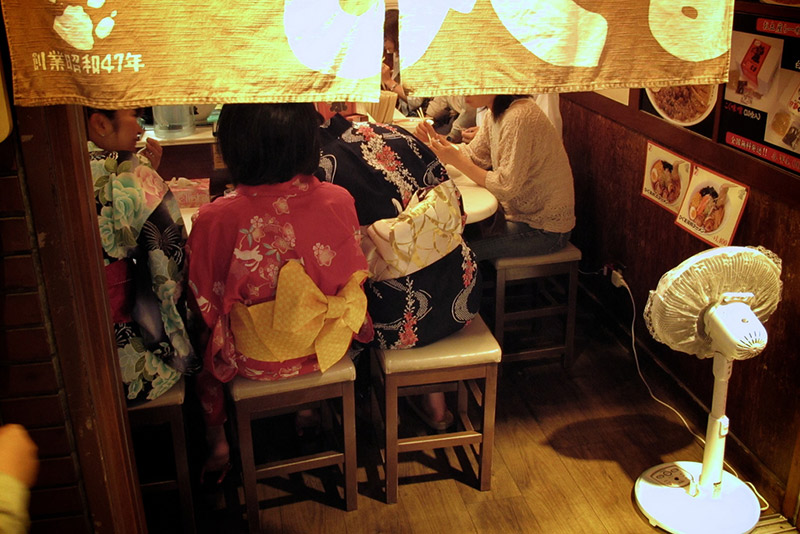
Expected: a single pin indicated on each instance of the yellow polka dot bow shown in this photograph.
(301, 320)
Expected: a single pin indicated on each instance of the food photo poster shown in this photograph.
(761, 102)
(666, 177)
(688, 106)
(712, 207)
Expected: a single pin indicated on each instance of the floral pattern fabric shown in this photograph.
(237, 247)
(427, 229)
(143, 238)
(386, 169)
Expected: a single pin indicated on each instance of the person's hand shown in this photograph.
(386, 75)
(18, 454)
(425, 132)
(447, 152)
(468, 134)
(153, 152)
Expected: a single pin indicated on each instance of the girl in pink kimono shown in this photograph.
(239, 245)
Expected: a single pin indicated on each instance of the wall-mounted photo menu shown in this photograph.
(761, 101)
(666, 177)
(712, 207)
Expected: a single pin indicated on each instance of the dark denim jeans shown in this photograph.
(515, 239)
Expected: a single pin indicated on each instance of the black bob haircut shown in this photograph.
(501, 103)
(269, 143)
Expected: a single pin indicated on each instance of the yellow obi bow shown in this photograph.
(301, 320)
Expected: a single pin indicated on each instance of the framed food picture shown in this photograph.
(684, 105)
(666, 177)
(712, 207)
(687, 106)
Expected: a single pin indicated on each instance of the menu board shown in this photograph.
(712, 207)
(761, 102)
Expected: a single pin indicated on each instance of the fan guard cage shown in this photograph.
(675, 309)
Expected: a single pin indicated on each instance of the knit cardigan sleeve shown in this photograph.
(513, 150)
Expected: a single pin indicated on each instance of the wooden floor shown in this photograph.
(568, 450)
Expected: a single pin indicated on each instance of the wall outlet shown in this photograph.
(612, 266)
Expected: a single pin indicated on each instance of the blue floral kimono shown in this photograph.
(143, 240)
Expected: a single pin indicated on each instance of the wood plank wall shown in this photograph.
(607, 143)
(30, 390)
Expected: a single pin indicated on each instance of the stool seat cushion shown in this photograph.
(172, 397)
(472, 345)
(245, 388)
(567, 254)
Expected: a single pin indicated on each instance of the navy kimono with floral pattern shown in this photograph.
(383, 166)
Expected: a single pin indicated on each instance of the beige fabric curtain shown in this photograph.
(536, 46)
(127, 53)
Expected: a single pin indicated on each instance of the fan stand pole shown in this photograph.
(670, 496)
(717, 428)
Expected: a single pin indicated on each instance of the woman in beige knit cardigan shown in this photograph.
(519, 157)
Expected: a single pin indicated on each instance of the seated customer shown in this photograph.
(407, 103)
(143, 238)
(548, 102)
(451, 116)
(518, 156)
(393, 176)
(250, 251)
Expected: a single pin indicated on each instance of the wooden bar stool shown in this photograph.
(545, 268)
(255, 399)
(463, 358)
(168, 409)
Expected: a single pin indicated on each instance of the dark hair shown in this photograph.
(110, 113)
(501, 103)
(391, 27)
(269, 143)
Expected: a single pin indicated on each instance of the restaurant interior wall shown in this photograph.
(607, 143)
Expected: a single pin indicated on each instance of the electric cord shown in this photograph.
(619, 281)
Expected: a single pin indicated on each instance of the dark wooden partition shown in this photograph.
(59, 375)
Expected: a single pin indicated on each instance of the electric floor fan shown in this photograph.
(712, 305)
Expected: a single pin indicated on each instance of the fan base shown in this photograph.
(662, 494)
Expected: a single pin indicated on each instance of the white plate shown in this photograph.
(712, 100)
